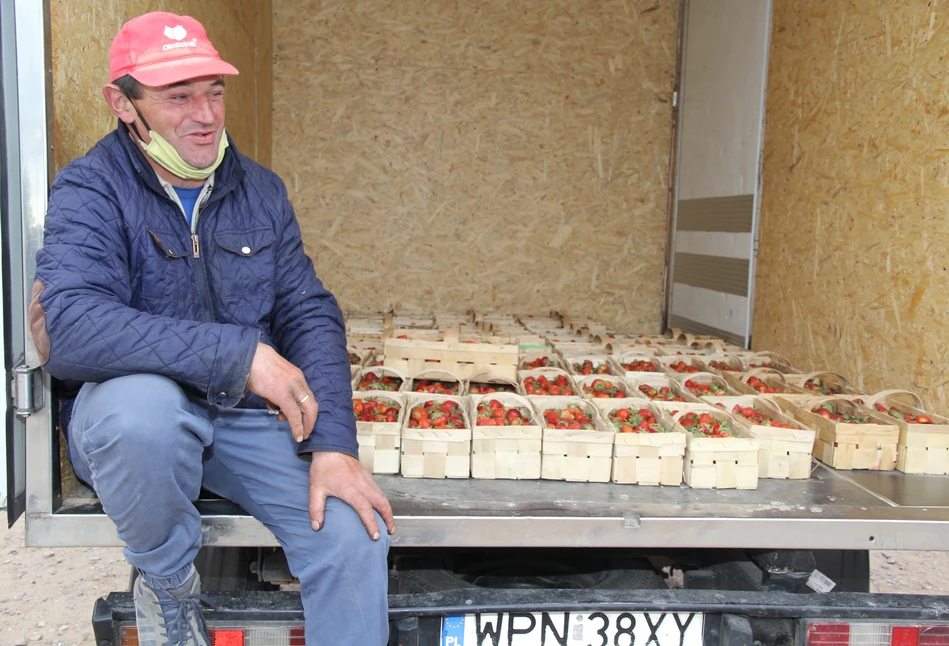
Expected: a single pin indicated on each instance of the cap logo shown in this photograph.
(176, 33)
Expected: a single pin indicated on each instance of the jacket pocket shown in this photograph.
(243, 269)
(168, 244)
(245, 243)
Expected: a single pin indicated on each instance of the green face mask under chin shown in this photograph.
(169, 159)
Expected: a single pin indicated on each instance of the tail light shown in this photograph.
(871, 633)
(248, 635)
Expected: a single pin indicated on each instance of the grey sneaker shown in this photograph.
(170, 617)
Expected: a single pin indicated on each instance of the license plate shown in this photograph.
(573, 629)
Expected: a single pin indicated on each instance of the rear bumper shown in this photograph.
(731, 618)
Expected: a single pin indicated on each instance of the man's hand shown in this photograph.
(284, 388)
(342, 476)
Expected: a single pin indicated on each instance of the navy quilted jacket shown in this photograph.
(126, 288)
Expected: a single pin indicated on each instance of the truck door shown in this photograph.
(720, 126)
(24, 186)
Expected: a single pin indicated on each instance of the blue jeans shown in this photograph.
(148, 448)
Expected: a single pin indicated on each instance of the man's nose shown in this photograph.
(203, 110)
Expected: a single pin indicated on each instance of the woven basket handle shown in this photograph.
(883, 394)
(757, 372)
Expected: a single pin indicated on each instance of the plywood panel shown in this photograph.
(499, 155)
(82, 31)
(852, 270)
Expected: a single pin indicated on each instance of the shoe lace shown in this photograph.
(176, 617)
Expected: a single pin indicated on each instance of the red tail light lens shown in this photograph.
(872, 633)
(227, 637)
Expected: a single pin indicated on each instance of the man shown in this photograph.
(174, 287)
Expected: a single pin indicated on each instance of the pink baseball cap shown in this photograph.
(162, 48)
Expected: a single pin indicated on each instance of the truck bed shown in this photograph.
(831, 510)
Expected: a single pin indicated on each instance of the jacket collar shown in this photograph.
(227, 176)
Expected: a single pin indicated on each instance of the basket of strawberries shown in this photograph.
(378, 378)
(924, 436)
(378, 430)
(577, 443)
(436, 438)
(850, 435)
(506, 437)
(647, 448)
(595, 387)
(720, 453)
(547, 382)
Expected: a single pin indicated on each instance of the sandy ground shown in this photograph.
(46, 595)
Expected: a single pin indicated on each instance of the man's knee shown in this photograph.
(354, 550)
(144, 414)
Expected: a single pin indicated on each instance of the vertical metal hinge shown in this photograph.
(27, 390)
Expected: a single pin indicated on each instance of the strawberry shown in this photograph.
(828, 411)
(762, 387)
(354, 359)
(700, 390)
(436, 387)
(632, 420)
(587, 367)
(487, 389)
(602, 389)
(760, 419)
(906, 417)
(376, 410)
(371, 381)
(436, 414)
(663, 393)
(640, 365)
(683, 367)
(543, 386)
(818, 386)
(539, 362)
(570, 417)
(704, 425)
(494, 413)
(723, 365)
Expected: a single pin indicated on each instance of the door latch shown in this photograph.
(27, 390)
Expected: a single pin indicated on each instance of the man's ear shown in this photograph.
(119, 103)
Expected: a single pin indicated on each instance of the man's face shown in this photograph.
(189, 115)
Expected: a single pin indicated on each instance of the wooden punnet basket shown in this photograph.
(851, 446)
(720, 463)
(505, 452)
(705, 378)
(656, 382)
(583, 383)
(413, 356)
(922, 448)
(575, 455)
(435, 375)
(782, 452)
(574, 360)
(621, 346)
(645, 458)
(629, 357)
(379, 372)
(435, 453)
(768, 359)
(380, 442)
(815, 382)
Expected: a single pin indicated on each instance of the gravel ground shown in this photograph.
(46, 595)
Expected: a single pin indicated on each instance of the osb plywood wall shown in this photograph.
(82, 31)
(853, 270)
(497, 155)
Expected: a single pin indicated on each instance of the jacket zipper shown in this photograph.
(200, 269)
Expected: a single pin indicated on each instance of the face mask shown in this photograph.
(168, 158)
